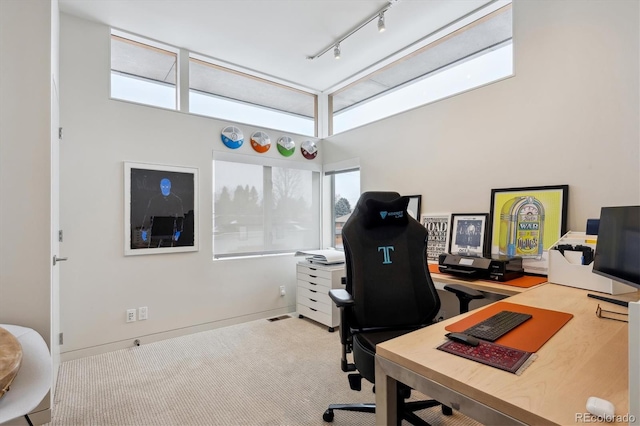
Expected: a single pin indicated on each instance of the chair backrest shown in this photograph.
(386, 265)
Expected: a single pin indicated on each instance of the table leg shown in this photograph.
(386, 400)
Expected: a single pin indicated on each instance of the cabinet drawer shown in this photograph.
(314, 272)
(314, 304)
(319, 287)
(315, 280)
(318, 316)
(318, 296)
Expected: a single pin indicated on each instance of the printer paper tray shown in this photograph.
(466, 272)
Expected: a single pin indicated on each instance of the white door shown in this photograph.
(55, 228)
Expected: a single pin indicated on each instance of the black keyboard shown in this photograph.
(497, 325)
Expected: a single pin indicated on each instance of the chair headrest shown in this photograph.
(386, 213)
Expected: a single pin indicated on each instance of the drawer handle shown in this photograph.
(313, 300)
(313, 291)
(313, 284)
(313, 276)
(314, 310)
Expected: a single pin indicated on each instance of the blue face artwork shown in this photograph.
(165, 187)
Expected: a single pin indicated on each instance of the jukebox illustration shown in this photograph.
(522, 228)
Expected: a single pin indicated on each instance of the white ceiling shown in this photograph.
(274, 37)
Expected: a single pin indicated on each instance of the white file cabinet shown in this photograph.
(314, 282)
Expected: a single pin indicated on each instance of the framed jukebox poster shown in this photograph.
(527, 221)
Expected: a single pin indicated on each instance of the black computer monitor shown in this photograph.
(617, 253)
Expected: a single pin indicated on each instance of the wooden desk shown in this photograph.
(587, 357)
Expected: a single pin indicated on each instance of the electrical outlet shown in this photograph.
(143, 313)
(283, 290)
(131, 315)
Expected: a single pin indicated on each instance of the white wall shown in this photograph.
(25, 266)
(569, 116)
(184, 292)
(26, 66)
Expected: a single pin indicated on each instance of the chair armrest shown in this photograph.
(463, 291)
(343, 300)
(464, 295)
(341, 297)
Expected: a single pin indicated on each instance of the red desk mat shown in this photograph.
(528, 336)
(523, 282)
(488, 353)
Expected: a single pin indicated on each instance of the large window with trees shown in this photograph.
(263, 209)
(346, 192)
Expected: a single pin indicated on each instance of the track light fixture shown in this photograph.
(381, 26)
(336, 44)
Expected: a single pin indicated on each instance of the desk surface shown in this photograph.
(440, 280)
(587, 357)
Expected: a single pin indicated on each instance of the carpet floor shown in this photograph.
(282, 372)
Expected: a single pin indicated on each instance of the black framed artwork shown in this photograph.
(161, 209)
(527, 221)
(414, 206)
(469, 234)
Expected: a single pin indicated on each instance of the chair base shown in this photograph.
(406, 411)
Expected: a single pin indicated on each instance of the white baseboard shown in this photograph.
(113, 346)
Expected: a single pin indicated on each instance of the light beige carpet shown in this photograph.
(284, 372)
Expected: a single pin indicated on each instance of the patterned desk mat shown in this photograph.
(512, 360)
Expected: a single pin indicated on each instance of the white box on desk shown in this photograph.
(562, 271)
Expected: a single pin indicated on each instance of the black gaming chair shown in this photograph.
(389, 291)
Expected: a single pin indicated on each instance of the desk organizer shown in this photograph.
(563, 271)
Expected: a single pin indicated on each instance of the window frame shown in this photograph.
(268, 163)
(330, 172)
(255, 77)
(457, 27)
(145, 43)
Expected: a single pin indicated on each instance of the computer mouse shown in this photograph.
(600, 408)
(463, 338)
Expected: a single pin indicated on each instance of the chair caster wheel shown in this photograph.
(447, 411)
(331, 329)
(328, 416)
(300, 316)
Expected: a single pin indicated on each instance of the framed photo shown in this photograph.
(414, 206)
(527, 222)
(160, 209)
(469, 234)
(437, 225)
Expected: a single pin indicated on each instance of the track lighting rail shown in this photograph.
(335, 45)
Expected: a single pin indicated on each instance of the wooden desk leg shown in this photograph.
(386, 400)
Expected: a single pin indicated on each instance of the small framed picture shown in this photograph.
(469, 234)
(414, 206)
(437, 225)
